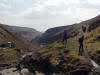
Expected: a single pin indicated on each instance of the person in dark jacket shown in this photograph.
(84, 29)
(65, 36)
(81, 49)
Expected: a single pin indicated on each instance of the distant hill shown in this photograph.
(28, 33)
(54, 34)
(6, 35)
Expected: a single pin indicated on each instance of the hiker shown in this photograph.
(81, 39)
(65, 36)
(84, 29)
(81, 49)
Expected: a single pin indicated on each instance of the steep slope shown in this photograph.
(28, 33)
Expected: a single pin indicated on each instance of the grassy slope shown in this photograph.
(9, 56)
(73, 62)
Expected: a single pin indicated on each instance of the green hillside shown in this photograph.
(73, 64)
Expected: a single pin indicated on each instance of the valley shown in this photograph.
(53, 57)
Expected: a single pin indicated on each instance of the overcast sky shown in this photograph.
(44, 14)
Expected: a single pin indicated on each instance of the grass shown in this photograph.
(72, 61)
(9, 56)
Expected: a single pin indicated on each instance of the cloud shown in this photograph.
(18, 1)
(39, 7)
(94, 2)
(74, 1)
(4, 6)
(44, 14)
(52, 2)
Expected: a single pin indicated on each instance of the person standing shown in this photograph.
(84, 29)
(81, 48)
(65, 37)
(81, 41)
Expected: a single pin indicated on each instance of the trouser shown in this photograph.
(64, 41)
(81, 49)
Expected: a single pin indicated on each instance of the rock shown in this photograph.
(11, 72)
(6, 73)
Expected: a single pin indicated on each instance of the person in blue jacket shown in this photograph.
(65, 37)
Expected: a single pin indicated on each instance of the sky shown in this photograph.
(45, 14)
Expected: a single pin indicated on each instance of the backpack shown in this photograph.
(81, 39)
